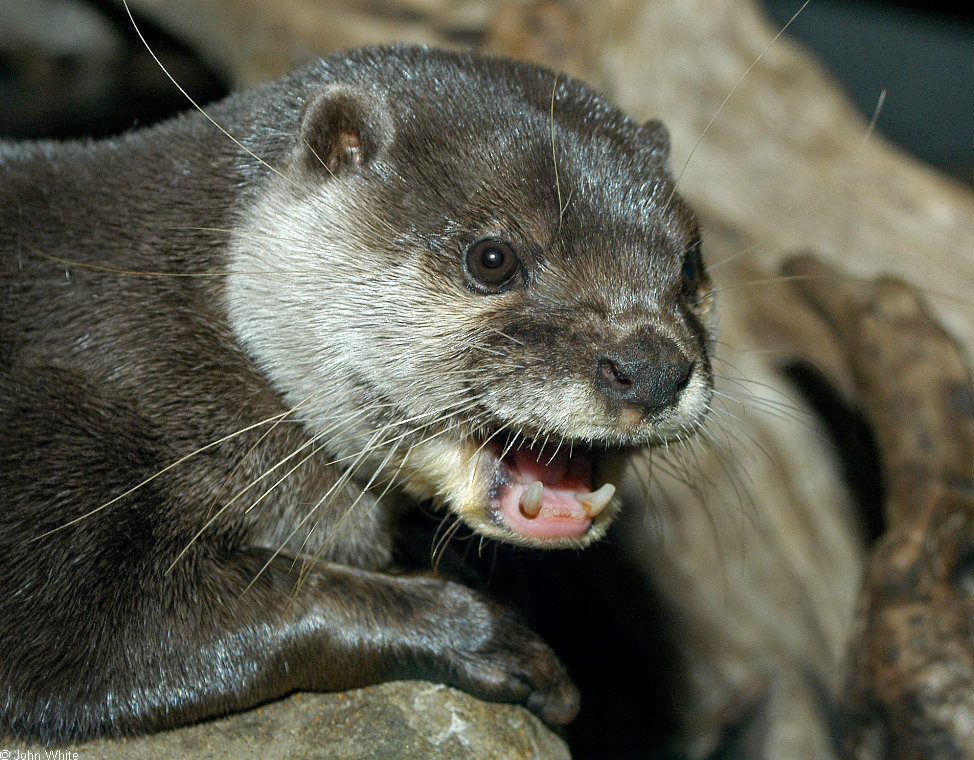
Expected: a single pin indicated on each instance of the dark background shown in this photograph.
(922, 54)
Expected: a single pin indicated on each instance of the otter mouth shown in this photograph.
(545, 492)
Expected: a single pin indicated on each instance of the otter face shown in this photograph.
(492, 297)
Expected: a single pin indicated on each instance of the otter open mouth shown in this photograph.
(545, 492)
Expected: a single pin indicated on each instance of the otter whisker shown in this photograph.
(196, 105)
(389, 481)
(216, 515)
(250, 452)
(355, 466)
(340, 483)
(561, 442)
(738, 477)
(440, 547)
(312, 443)
(155, 475)
(765, 280)
(721, 412)
(771, 407)
(730, 94)
(218, 273)
(554, 150)
(350, 509)
(503, 334)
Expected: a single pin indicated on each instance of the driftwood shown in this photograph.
(758, 554)
(910, 688)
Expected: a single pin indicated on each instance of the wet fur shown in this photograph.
(178, 451)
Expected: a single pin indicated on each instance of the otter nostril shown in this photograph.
(652, 379)
(614, 375)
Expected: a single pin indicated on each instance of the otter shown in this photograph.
(233, 359)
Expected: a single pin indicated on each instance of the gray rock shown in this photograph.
(405, 720)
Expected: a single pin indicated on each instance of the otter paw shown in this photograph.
(491, 654)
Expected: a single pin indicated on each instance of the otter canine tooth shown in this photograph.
(531, 499)
(596, 501)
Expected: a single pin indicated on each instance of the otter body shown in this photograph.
(229, 365)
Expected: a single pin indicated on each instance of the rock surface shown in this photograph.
(405, 720)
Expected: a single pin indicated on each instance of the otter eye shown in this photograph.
(692, 265)
(492, 263)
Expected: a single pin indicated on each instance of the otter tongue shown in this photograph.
(541, 498)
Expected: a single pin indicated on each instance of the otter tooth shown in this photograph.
(530, 503)
(596, 501)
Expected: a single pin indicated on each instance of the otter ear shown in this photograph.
(657, 140)
(342, 128)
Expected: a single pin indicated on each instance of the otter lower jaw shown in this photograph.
(544, 492)
(540, 496)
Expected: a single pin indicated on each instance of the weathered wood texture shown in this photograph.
(910, 687)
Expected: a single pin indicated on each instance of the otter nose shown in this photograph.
(650, 374)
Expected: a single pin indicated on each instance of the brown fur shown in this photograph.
(144, 584)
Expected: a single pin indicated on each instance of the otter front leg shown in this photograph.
(345, 627)
(163, 649)
(101, 631)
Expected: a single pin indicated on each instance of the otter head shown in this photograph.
(474, 282)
